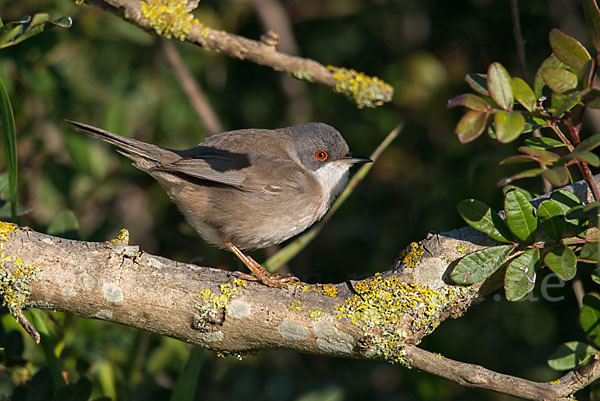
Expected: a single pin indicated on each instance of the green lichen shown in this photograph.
(315, 314)
(171, 19)
(363, 90)
(303, 75)
(382, 305)
(16, 275)
(461, 249)
(212, 307)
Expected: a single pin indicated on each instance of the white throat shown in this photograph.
(333, 178)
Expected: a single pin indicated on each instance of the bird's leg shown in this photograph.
(260, 273)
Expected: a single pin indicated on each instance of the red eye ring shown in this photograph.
(321, 155)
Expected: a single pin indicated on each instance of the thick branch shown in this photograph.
(382, 317)
(365, 91)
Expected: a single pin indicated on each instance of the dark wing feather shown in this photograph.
(246, 171)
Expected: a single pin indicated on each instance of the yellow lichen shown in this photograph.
(237, 355)
(330, 291)
(16, 275)
(212, 307)
(325, 289)
(315, 314)
(122, 238)
(363, 90)
(554, 382)
(461, 249)
(411, 256)
(170, 18)
(382, 304)
(295, 305)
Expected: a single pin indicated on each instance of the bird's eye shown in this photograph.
(321, 155)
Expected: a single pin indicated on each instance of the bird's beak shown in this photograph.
(356, 159)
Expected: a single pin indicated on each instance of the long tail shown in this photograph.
(143, 154)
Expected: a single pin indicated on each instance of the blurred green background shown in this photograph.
(107, 73)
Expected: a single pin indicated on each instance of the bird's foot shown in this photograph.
(274, 280)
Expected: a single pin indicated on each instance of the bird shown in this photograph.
(249, 188)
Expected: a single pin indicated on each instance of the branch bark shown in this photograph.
(365, 91)
(382, 317)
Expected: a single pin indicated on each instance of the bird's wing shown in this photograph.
(246, 171)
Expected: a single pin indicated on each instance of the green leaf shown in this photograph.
(479, 265)
(562, 103)
(508, 125)
(544, 142)
(470, 126)
(65, 225)
(590, 252)
(28, 27)
(588, 144)
(592, 16)
(552, 219)
(468, 100)
(558, 176)
(8, 32)
(562, 261)
(533, 123)
(483, 218)
(565, 199)
(523, 93)
(478, 82)
(570, 355)
(498, 83)
(568, 49)
(517, 159)
(520, 215)
(558, 79)
(585, 76)
(575, 213)
(588, 157)
(541, 155)
(596, 273)
(520, 275)
(589, 317)
(538, 82)
(9, 140)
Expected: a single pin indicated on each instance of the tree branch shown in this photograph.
(169, 21)
(382, 317)
(477, 376)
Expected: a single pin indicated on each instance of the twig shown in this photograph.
(578, 290)
(364, 90)
(193, 91)
(477, 376)
(23, 321)
(519, 41)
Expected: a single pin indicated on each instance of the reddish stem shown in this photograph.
(583, 166)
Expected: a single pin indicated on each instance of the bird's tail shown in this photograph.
(145, 155)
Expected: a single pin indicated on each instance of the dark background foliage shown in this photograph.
(108, 73)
